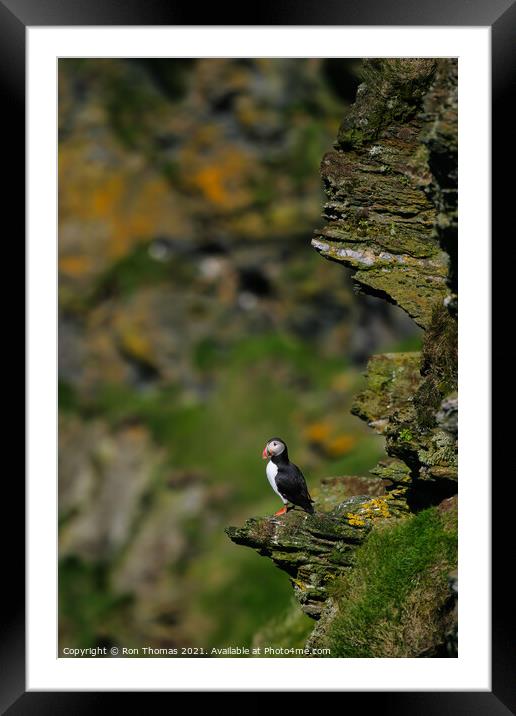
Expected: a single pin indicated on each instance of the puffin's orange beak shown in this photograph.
(265, 454)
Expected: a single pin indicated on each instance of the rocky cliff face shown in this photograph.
(391, 211)
(190, 305)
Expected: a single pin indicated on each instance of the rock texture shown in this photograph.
(313, 550)
(391, 215)
(384, 202)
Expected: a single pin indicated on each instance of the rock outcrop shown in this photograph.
(314, 550)
(391, 185)
(388, 201)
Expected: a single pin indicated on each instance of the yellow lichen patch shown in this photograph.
(379, 505)
(355, 520)
(374, 508)
(284, 215)
(250, 224)
(318, 432)
(136, 344)
(298, 583)
(397, 493)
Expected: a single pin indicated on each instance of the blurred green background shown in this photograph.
(195, 322)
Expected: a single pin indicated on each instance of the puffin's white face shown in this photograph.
(273, 448)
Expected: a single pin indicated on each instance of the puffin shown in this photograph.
(285, 478)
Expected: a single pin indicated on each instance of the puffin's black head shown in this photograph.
(273, 448)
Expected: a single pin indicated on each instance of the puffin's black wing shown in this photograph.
(291, 485)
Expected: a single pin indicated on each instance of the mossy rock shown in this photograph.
(387, 214)
(312, 549)
(400, 599)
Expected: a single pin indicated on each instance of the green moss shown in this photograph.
(405, 435)
(207, 354)
(403, 81)
(391, 381)
(138, 268)
(68, 400)
(90, 614)
(390, 603)
(308, 146)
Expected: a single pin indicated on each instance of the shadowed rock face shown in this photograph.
(391, 210)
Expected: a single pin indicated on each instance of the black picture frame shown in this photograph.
(500, 15)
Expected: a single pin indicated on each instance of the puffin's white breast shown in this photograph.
(272, 471)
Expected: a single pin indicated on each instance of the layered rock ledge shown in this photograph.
(315, 549)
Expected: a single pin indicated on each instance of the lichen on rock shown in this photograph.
(313, 549)
(381, 209)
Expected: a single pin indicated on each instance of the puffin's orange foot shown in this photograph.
(281, 512)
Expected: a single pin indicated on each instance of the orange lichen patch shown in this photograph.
(222, 180)
(110, 201)
(210, 181)
(105, 197)
(318, 432)
(130, 207)
(74, 266)
(141, 215)
(340, 445)
(323, 437)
